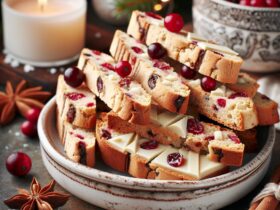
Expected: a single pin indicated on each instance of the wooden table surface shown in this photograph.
(12, 140)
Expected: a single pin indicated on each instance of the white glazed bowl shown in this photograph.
(108, 189)
(253, 32)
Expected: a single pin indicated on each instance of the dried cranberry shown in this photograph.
(178, 102)
(187, 72)
(123, 68)
(152, 81)
(75, 96)
(82, 152)
(194, 126)
(125, 82)
(234, 138)
(148, 145)
(198, 144)
(96, 52)
(137, 50)
(108, 66)
(133, 60)
(153, 15)
(237, 94)
(105, 134)
(215, 108)
(18, 164)
(99, 84)
(79, 136)
(174, 22)
(175, 159)
(161, 65)
(90, 104)
(74, 77)
(71, 114)
(264, 97)
(208, 84)
(156, 51)
(209, 138)
(221, 102)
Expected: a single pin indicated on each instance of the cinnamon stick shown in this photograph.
(269, 202)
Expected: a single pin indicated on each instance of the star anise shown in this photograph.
(38, 199)
(21, 99)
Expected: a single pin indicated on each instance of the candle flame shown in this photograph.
(42, 4)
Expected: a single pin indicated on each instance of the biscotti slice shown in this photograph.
(113, 156)
(267, 110)
(80, 145)
(125, 97)
(179, 130)
(156, 76)
(76, 105)
(218, 62)
(245, 84)
(229, 108)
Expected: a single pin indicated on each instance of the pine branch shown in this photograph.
(125, 7)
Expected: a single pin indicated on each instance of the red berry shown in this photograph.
(148, 145)
(18, 164)
(33, 115)
(221, 102)
(245, 2)
(173, 22)
(209, 138)
(123, 68)
(272, 3)
(74, 77)
(29, 129)
(175, 159)
(194, 126)
(187, 72)
(258, 3)
(208, 84)
(156, 51)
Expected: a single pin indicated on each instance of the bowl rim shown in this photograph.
(242, 7)
(120, 180)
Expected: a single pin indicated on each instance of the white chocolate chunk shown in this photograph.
(135, 90)
(195, 37)
(120, 142)
(132, 147)
(151, 153)
(172, 77)
(215, 47)
(194, 82)
(208, 167)
(167, 118)
(161, 161)
(113, 77)
(218, 135)
(192, 162)
(218, 92)
(180, 127)
(241, 80)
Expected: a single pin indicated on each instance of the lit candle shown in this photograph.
(44, 33)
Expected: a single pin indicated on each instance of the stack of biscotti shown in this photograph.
(124, 96)
(233, 102)
(76, 118)
(144, 158)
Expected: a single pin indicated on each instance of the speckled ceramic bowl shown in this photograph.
(111, 190)
(253, 32)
